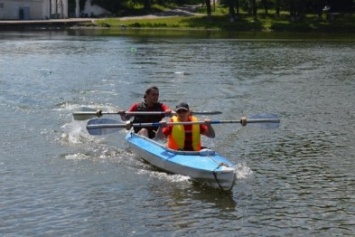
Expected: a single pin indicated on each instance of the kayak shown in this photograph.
(205, 166)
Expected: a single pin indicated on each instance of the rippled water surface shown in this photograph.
(57, 180)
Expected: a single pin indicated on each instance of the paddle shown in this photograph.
(90, 113)
(106, 126)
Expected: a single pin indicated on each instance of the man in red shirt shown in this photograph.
(150, 103)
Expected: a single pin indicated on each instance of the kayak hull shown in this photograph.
(205, 166)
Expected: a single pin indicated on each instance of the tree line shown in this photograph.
(296, 8)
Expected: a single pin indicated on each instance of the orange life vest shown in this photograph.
(176, 139)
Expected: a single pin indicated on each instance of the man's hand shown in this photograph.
(123, 115)
(207, 122)
(163, 124)
(121, 112)
(168, 113)
(128, 125)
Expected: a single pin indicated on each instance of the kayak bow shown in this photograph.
(205, 166)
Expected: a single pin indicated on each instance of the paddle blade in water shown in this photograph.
(266, 120)
(102, 126)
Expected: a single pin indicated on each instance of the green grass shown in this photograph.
(197, 23)
(220, 21)
(171, 22)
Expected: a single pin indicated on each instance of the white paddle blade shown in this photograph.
(104, 126)
(264, 120)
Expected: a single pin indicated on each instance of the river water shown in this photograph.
(57, 180)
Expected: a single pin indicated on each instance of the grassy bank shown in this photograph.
(244, 22)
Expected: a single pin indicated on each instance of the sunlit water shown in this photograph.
(57, 180)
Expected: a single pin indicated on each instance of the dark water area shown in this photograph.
(57, 180)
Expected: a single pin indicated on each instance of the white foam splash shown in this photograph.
(243, 171)
(175, 178)
(78, 156)
(181, 74)
(68, 106)
(75, 133)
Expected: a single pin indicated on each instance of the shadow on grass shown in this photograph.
(222, 23)
(345, 24)
(315, 25)
(243, 23)
(137, 12)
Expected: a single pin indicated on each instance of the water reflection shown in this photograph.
(223, 200)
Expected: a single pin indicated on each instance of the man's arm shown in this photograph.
(160, 134)
(209, 132)
(167, 110)
(125, 116)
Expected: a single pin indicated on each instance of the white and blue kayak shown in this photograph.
(205, 166)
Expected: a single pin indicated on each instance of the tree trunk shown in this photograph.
(255, 9)
(208, 8)
(237, 6)
(56, 9)
(147, 5)
(265, 6)
(277, 7)
(50, 9)
(231, 11)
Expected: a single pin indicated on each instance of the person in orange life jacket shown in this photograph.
(184, 137)
(150, 103)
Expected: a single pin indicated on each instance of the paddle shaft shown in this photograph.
(84, 115)
(157, 124)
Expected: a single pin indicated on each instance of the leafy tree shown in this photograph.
(340, 6)
(147, 4)
(113, 6)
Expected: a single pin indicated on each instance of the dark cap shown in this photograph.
(182, 106)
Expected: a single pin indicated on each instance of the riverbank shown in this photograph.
(183, 11)
(216, 23)
(188, 18)
(44, 24)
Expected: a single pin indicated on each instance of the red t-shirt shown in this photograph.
(134, 107)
